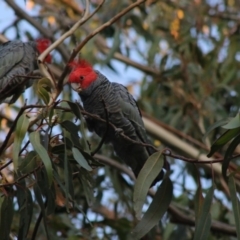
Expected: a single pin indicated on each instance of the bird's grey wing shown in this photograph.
(131, 110)
(11, 53)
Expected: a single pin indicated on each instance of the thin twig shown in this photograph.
(101, 45)
(20, 178)
(4, 144)
(96, 31)
(74, 53)
(85, 17)
(165, 152)
(5, 165)
(168, 152)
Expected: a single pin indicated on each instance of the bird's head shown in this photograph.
(82, 75)
(42, 45)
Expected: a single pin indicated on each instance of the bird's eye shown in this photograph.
(81, 78)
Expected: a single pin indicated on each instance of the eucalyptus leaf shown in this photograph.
(223, 139)
(80, 159)
(228, 154)
(6, 217)
(34, 138)
(21, 129)
(233, 123)
(235, 203)
(203, 223)
(148, 173)
(156, 209)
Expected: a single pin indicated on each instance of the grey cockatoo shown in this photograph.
(94, 89)
(17, 60)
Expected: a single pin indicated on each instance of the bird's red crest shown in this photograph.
(42, 45)
(81, 64)
(82, 72)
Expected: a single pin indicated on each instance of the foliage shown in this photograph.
(182, 59)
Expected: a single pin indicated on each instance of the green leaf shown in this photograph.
(228, 155)
(66, 171)
(34, 138)
(67, 175)
(43, 89)
(45, 83)
(156, 209)
(198, 202)
(6, 217)
(21, 129)
(233, 123)
(148, 173)
(29, 163)
(51, 196)
(80, 159)
(87, 187)
(39, 199)
(235, 203)
(43, 94)
(25, 204)
(223, 139)
(215, 125)
(73, 130)
(203, 223)
(69, 126)
(75, 109)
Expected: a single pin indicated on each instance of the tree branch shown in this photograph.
(71, 31)
(96, 31)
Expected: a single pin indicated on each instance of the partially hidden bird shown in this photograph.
(17, 60)
(100, 97)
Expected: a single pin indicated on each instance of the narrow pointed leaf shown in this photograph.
(6, 217)
(43, 88)
(87, 187)
(198, 202)
(51, 196)
(203, 223)
(66, 171)
(233, 123)
(35, 141)
(223, 139)
(44, 95)
(75, 109)
(215, 125)
(67, 175)
(80, 159)
(235, 203)
(26, 210)
(228, 155)
(73, 130)
(39, 199)
(21, 129)
(29, 163)
(156, 209)
(148, 173)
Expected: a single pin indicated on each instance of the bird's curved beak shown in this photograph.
(76, 87)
